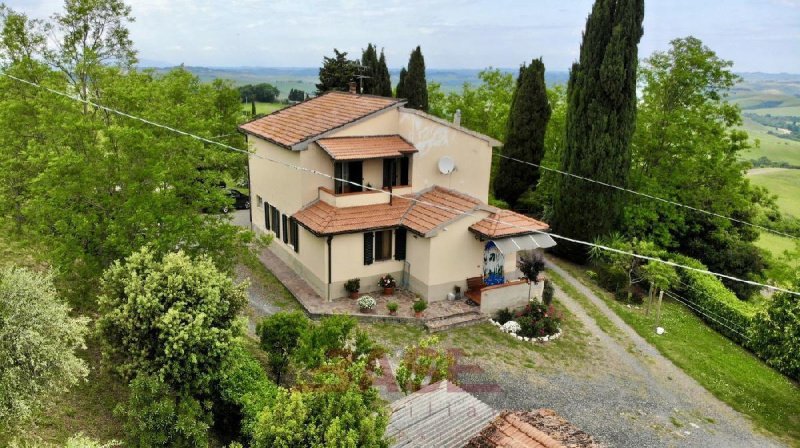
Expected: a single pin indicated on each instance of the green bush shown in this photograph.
(326, 339)
(280, 335)
(537, 320)
(722, 310)
(775, 333)
(503, 315)
(547, 292)
(155, 416)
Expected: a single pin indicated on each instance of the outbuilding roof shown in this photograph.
(506, 223)
(366, 147)
(304, 121)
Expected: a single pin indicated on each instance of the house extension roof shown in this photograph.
(512, 224)
(411, 212)
(441, 415)
(297, 124)
(535, 429)
(367, 147)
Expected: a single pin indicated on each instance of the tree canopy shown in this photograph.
(263, 93)
(415, 87)
(336, 73)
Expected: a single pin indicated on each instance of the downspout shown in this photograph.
(330, 265)
(249, 184)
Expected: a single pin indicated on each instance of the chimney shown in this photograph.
(353, 88)
(457, 118)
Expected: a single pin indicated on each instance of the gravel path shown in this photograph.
(631, 396)
(257, 297)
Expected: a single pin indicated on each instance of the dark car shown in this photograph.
(241, 201)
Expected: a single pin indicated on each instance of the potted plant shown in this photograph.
(352, 286)
(419, 306)
(366, 304)
(388, 284)
(392, 307)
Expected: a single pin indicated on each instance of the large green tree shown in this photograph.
(415, 87)
(172, 317)
(600, 124)
(401, 84)
(527, 125)
(336, 73)
(38, 343)
(687, 148)
(369, 69)
(384, 87)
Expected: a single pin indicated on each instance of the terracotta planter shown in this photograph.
(418, 314)
(388, 291)
(365, 310)
(354, 295)
(393, 313)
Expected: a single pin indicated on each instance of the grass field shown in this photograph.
(263, 108)
(775, 148)
(791, 110)
(784, 183)
(725, 369)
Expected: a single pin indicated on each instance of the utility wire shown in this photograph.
(649, 196)
(699, 310)
(415, 200)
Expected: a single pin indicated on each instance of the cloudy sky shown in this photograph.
(758, 35)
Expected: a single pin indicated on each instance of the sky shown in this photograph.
(757, 35)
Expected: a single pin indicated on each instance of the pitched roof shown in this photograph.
(321, 218)
(440, 415)
(447, 205)
(508, 430)
(512, 224)
(308, 119)
(367, 147)
(491, 141)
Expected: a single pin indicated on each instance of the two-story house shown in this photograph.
(334, 219)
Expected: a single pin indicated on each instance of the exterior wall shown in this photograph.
(418, 256)
(509, 295)
(373, 173)
(455, 255)
(348, 262)
(275, 183)
(473, 157)
(314, 158)
(385, 123)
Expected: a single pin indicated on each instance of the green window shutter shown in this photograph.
(295, 234)
(285, 222)
(267, 211)
(369, 242)
(276, 225)
(400, 244)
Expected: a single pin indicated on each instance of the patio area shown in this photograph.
(404, 298)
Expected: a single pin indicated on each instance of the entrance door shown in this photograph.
(493, 261)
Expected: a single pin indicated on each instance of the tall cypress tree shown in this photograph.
(601, 113)
(527, 123)
(371, 69)
(415, 87)
(401, 84)
(384, 87)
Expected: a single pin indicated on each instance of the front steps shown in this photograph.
(454, 321)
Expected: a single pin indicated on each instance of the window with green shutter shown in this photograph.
(295, 232)
(285, 222)
(267, 211)
(369, 238)
(400, 244)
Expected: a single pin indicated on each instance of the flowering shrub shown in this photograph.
(537, 320)
(511, 327)
(366, 302)
(387, 281)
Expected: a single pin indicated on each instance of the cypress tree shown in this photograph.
(336, 73)
(369, 62)
(253, 108)
(401, 84)
(527, 123)
(384, 87)
(601, 112)
(415, 87)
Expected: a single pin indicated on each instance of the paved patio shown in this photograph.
(316, 306)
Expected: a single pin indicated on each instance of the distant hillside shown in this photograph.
(305, 78)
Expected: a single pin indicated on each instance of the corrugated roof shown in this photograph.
(367, 147)
(512, 224)
(441, 415)
(303, 121)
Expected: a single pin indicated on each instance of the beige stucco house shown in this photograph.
(432, 233)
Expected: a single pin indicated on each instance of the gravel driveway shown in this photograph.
(631, 396)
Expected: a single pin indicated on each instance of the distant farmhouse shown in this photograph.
(401, 192)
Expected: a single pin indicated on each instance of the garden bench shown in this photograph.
(474, 286)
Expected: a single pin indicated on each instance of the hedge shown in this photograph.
(723, 310)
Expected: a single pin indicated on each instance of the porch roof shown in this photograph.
(505, 223)
(524, 242)
(366, 147)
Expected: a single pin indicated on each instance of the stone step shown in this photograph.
(455, 321)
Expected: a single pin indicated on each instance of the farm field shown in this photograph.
(785, 183)
(776, 245)
(263, 108)
(774, 148)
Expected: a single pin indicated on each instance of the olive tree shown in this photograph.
(38, 341)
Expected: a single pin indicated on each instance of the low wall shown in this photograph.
(509, 295)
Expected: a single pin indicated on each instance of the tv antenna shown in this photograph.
(360, 77)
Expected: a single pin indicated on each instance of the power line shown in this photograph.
(700, 311)
(416, 200)
(649, 196)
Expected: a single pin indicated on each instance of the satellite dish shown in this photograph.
(446, 165)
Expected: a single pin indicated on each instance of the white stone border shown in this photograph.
(522, 338)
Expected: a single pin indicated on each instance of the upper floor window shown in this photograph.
(351, 175)
(395, 172)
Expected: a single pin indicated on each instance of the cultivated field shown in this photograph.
(785, 183)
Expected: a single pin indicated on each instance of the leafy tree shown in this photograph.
(415, 87)
(541, 200)
(280, 335)
(335, 408)
(384, 87)
(38, 340)
(174, 318)
(157, 417)
(401, 84)
(687, 148)
(527, 125)
(600, 122)
(326, 339)
(297, 95)
(775, 333)
(336, 73)
(263, 92)
(424, 363)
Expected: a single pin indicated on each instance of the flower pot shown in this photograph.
(388, 291)
(418, 314)
(365, 310)
(393, 313)
(354, 295)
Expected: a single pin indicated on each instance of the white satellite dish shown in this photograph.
(446, 165)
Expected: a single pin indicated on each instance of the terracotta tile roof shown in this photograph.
(517, 224)
(520, 425)
(322, 218)
(298, 123)
(508, 430)
(449, 205)
(441, 415)
(367, 147)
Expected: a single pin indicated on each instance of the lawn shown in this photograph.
(263, 108)
(784, 183)
(775, 148)
(725, 369)
(777, 245)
